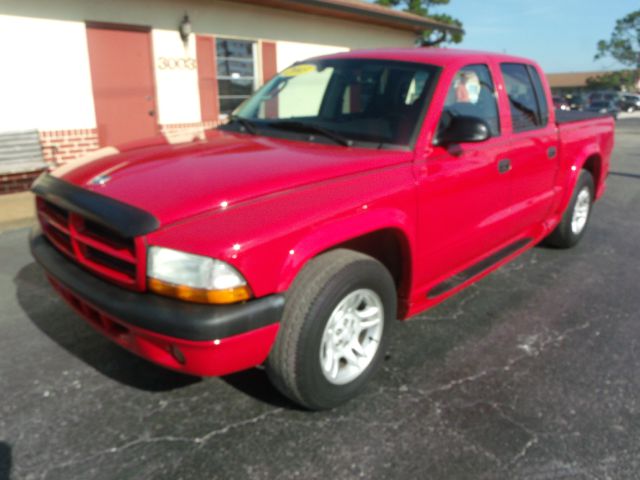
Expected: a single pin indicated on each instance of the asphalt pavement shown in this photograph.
(532, 373)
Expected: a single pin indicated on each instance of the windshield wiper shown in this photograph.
(310, 127)
(248, 125)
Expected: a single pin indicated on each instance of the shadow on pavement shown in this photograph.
(256, 384)
(5, 461)
(621, 174)
(62, 325)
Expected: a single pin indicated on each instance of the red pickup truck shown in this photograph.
(350, 191)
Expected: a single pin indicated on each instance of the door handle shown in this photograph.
(151, 113)
(551, 152)
(504, 165)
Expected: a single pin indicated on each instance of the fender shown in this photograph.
(573, 171)
(342, 230)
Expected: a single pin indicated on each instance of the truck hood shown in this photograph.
(174, 182)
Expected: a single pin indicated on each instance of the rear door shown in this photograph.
(532, 155)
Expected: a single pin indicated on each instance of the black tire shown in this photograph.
(563, 236)
(294, 365)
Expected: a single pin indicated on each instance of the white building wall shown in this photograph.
(176, 73)
(291, 52)
(46, 80)
(45, 83)
(216, 17)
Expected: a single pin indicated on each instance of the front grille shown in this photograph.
(103, 322)
(94, 246)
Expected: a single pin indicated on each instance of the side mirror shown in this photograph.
(463, 129)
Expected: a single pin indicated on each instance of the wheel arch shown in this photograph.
(593, 164)
(390, 247)
(381, 235)
(591, 160)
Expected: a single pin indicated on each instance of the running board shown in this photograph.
(477, 268)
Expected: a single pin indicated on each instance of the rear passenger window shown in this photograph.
(543, 105)
(472, 94)
(526, 97)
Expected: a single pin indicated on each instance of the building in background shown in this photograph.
(578, 82)
(570, 82)
(83, 74)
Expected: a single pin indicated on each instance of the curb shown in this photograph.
(17, 210)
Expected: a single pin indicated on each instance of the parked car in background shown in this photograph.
(577, 102)
(606, 96)
(604, 107)
(560, 103)
(630, 102)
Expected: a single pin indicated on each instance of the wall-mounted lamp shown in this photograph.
(185, 28)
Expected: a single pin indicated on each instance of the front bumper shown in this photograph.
(191, 338)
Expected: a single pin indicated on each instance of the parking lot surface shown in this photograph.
(531, 373)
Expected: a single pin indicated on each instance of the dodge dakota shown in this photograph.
(350, 191)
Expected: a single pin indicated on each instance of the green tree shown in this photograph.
(624, 44)
(421, 7)
(612, 80)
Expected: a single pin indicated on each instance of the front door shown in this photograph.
(463, 194)
(123, 83)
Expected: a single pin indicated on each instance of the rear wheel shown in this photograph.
(334, 329)
(576, 218)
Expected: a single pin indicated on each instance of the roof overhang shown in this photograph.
(572, 79)
(358, 11)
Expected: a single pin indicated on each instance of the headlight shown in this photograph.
(194, 278)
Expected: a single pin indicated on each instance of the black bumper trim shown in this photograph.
(166, 316)
(127, 220)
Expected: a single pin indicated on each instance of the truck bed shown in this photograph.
(563, 116)
(581, 132)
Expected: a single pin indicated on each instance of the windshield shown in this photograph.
(348, 101)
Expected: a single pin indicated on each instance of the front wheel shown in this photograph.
(574, 222)
(334, 330)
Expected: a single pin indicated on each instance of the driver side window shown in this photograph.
(472, 94)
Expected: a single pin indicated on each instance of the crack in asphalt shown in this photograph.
(530, 352)
(199, 441)
(476, 447)
(535, 438)
(533, 346)
(536, 345)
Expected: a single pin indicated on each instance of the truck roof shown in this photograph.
(434, 56)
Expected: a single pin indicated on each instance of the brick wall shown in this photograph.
(186, 131)
(17, 182)
(58, 146)
(62, 146)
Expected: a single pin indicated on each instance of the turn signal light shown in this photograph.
(199, 295)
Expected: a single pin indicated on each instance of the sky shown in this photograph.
(561, 35)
